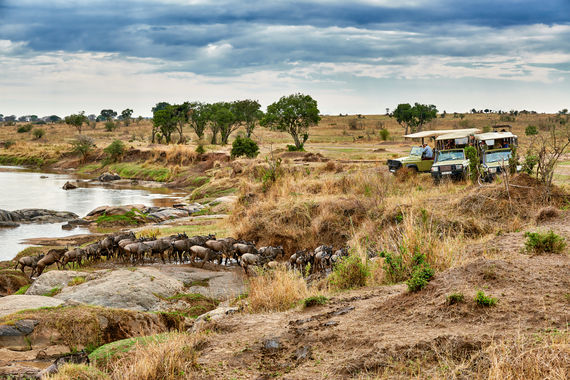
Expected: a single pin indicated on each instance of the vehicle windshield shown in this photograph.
(499, 156)
(416, 151)
(450, 155)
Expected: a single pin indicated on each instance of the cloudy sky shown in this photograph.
(352, 56)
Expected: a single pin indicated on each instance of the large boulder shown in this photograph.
(69, 186)
(168, 213)
(14, 303)
(140, 289)
(114, 210)
(108, 177)
(36, 215)
(57, 279)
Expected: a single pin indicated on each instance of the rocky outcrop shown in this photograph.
(69, 186)
(14, 303)
(36, 215)
(57, 279)
(108, 177)
(151, 213)
(9, 225)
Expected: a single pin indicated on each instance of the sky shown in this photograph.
(62, 57)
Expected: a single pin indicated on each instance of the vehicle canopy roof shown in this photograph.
(457, 134)
(440, 132)
(494, 135)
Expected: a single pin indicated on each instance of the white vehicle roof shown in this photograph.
(435, 133)
(494, 135)
(457, 134)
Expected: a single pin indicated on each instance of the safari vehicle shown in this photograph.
(450, 160)
(495, 150)
(415, 161)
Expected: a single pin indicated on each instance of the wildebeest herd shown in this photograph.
(180, 248)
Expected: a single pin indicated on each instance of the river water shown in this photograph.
(21, 188)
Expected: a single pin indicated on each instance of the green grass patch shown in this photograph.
(89, 168)
(113, 350)
(53, 291)
(23, 289)
(78, 280)
(455, 298)
(132, 217)
(142, 171)
(315, 300)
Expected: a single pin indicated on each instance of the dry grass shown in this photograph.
(78, 372)
(276, 290)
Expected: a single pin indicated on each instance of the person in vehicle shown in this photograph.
(427, 152)
(506, 144)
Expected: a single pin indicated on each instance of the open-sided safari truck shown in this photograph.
(416, 161)
(450, 160)
(495, 150)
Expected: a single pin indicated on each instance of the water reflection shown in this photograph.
(20, 188)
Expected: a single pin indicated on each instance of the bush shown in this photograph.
(200, 149)
(531, 130)
(350, 272)
(110, 126)
(529, 163)
(82, 145)
(115, 150)
(243, 146)
(420, 277)
(9, 143)
(38, 133)
(293, 148)
(25, 128)
(474, 162)
(384, 134)
(544, 243)
(482, 300)
(315, 300)
(271, 174)
(454, 298)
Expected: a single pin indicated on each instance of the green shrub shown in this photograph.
(384, 134)
(393, 267)
(82, 145)
(110, 126)
(474, 162)
(9, 143)
(349, 272)
(315, 300)
(243, 146)
(293, 148)
(454, 298)
(38, 133)
(115, 150)
(200, 149)
(531, 130)
(420, 277)
(529, 163)
(544, 243)
(25, 128)
(482, 300)
(271, 174)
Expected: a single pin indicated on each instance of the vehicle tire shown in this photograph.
(413, 169)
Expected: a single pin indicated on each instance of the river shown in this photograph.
(21, 188)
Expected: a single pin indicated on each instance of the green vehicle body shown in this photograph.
(494, 161)
(450, 163)
(413, 161)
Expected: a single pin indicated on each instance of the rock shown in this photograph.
(9, 224)
(69, 186)
(14, 337)
(35, 215)
(74, 223)
(14, 303)
(26, 326)
(115, 210)
(16, 371)
(271, 344)
(44, 176)
(134, 290)
(75, 358)
(168, 213)
(56, 278)
(108, 177)
(213, 315)
(303, 353)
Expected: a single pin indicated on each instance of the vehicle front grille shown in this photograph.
(445, 168)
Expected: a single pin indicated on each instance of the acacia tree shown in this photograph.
(198, 116)
(247, 113)
(222, 120)
(293, 114)
(415, 117)
(126, 116)
(107, 115)
(165, 121)
(77, 120)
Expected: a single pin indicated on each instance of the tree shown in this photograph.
(199, 115)
(159, 106)
(77, 120)
(165, 121)
(126, 116)
(247, 113)
(54, 119)
(222, 120)
(107, 115)
(415, 117)
(33, 118)
(293, 114)
(181, 114)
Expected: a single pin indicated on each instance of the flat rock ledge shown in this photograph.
(36, 215)
(14, 303)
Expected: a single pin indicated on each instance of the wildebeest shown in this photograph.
(28, 261)
(53, 256)
(137, 250)
(205, 254)
(73, 255)
(248, 259)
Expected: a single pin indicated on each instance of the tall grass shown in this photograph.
(276, 290)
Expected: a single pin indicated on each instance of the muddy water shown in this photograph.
(20, 188)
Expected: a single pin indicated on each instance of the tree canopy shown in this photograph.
(293, 114)
(413, 118)
(126, 116)
(107, 115)
(77, 120)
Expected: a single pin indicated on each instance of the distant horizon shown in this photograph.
(360, 57)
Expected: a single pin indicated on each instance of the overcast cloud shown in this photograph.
(356, 57)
